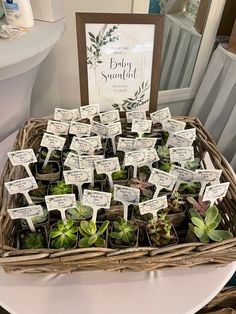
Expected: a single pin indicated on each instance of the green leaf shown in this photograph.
(103, 227)
(199, 232)
(60, 225)
(84, 225)
(198, 222)
(211, 215)
(81, 231)
(212, 226)
(72, 236)
(224, 234)
(74, 229)
(91, 35)
(69, 223)
(92, 239)
(100, 242)
(55, 233)
(213, 235)
(204, 238)
(84, 242)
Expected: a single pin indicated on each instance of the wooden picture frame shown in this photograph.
(112, 42)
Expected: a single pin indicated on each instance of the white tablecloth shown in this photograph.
(215, 103)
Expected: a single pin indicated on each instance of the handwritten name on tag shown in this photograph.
(100, 129)
(22, 157)
(66, 115)
(107, 165)
(139, 114)
(78, 176)
(182, 174)
(162, 179)
(53, 142)
(153, 206)
(60, 202)
(97, 199)
(141, 126)
(88, 112)
(151, 156)
(172, 125)
(21, 186)
(80, 129)
(126, 194)
(176, 140)
(57, 127)
(181, 154)
(214, 192)
(110, 116)
(89, 161)
(189, 134)
(25, 212)
(72, 161)
(208, 176)
(86, 145)
(135, 157)
(114, 129)
(160, 115)
(125, 144)
(144, 143)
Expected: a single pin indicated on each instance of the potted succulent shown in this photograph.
(63, 235)
(92, 235)
(37, 195)
(164, 153)
(37, 220)
(193, 164)
(164, 165)
(60, 187)
(176, 209)
(141, 183)
(32, 240)
(124, 234)
(121, 177)
(81, 212)
(161, 232)
(49, 173)
(199, 205)
(192, 188)
(55, 155)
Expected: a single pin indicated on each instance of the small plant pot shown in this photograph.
(51, 177)
(113, 245)
(22, 234)
(128, 177)
(72, 247)
(104, 236)
(50, 189)
(113, 212)
(38, 222)
(175, 241)
(177, 218)
(55, 155)
(34, 194)
(190, 237)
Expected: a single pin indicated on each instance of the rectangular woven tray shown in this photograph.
(106, 259)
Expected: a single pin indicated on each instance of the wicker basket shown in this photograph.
(106, 259)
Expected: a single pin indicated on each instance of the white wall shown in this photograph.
(57, 84)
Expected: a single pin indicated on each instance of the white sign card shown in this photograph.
(78, 177)
(22, 186)
(52, 142)
(88, 161)
(125, 144)
(96, 200)
(131, 115)
(86, 145)
(207, 176)
(110, 116)
(126, 196)
(183, 175)
(190, 134)
(171, 125)
(141, 126)
(181, 154)
(66, 115)
(114, 129)
(72, 161)
(215, 192)
(108, 166)
(153, 206)
(162, 180)
(57, 127)
(61, 203)
(151, 157)
(135, 159)
(26, 213)
(144, 143)
(80, 129)
(160, 115)
(100, 129)
(175, 140)
(89, 111)
(23, 157)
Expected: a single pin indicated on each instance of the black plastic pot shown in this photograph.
(24, 232)
(113, 245)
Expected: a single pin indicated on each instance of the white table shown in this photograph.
(172, 291)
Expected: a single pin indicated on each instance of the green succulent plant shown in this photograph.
(142, 184)
(92, 235)
(165, 165)
(63, 235)
(192, 164)
(55, 155)
(175, 203)
(34, 240)
(80, 212)
(50, 168)
(190, 188)
(163, 152)
(120, 175)
(60, 188)
(124, 232)
(36, 219)
(205, 228)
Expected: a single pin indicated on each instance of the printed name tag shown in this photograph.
(135, 157)
(88, 112)
(57, 128)
(25, 212)
(110, 116)
(172, 125)
(160, 115)
(97, 199)
(182, 174)
(60, 202)
(153, 206)
(78, 176)
(144, 143)
(126, 194)
(86, 145)
(66, 115)
(107, 165)
(100, 129)
(141, 126)
(53, 142)
(189, 134)
(181, 154)
(151, 156)
(72, 161)
(131, 115)
(21, 157)
(125, 144)
(89, 161)
(21, 186)
(176, 140)
(208, 176)
(114, 129)
(162, 179)
(80, 129)
(214, 192)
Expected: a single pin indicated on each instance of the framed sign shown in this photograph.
(119, 63)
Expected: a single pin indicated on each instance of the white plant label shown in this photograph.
(61, 203)
(110, 116)
(126, 196)
(189, 134)
(172, 125)
(125, 144)
(160, 115)
(207, 176)
(114, 129)
(144, 143)
(100, 129)
(72, 161)
(183, 175)
(108, 166)
(80, 129)
(153, 206)
(86, 145)
(89, 162)
(78, 177)
(151, 157)
(66, 115)
(141, 126)
(162, 180)
(215, 192)
(135, 159)
(181, 154)
(176, 140)
(139, 114)
(96, 200)
(26, 213)
(90, 111)
(23, 157)
(57, 127)
(22, 186)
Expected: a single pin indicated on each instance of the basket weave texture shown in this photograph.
(106, 259)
